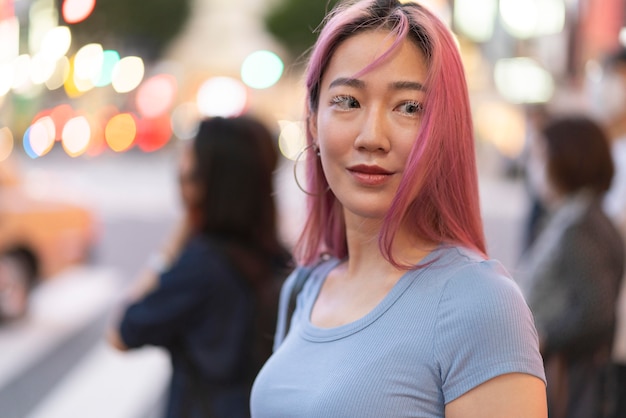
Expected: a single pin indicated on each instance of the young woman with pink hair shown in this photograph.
(404, 315)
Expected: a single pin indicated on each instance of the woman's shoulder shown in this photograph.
(471, 279)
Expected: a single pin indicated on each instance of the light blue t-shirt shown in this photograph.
(441, 331)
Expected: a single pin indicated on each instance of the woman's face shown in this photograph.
(365, 126)
(189, 188)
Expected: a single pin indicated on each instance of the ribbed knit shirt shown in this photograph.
(441, 331)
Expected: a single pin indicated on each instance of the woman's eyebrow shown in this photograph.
(349, 82)
(360, 84)
(407, 85)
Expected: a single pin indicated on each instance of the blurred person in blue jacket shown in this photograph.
(572, 272)
(211, 298)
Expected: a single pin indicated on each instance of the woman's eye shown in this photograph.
(345, 102)
(411, 107)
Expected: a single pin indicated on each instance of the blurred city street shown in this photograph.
(135, 198)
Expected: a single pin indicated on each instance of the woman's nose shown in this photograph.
(373, 135)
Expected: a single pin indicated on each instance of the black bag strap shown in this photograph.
(302, 275)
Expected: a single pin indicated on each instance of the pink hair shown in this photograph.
(438, 196)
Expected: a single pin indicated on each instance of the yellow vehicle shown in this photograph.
(50, 233)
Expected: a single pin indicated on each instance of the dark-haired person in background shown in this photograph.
(572, 273)
(212, 296)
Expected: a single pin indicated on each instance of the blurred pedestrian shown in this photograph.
(609, 105)
(406, 316)
(211, 297)
(571, 274)
(536, 117)
(18, 278)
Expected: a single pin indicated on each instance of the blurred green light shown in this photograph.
(261, 69)
(110, 58)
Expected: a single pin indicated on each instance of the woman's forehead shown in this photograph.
(357, 54)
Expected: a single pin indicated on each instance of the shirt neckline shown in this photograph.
(317, 334)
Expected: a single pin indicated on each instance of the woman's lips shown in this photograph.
(369, 175)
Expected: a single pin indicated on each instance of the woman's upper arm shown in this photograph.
(513, 395)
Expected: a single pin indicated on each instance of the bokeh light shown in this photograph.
(538, 85)
(76, 135)
(6, 143)
(88, 66)
(56, 42)
(21, 76)
(98, 144)
(41, 68)
(127, 74)
(292, 139)
(501, 124)
(10, 35)
(476, 18)
(185, 120)
(261, 69)
(222, 96)
(75, 11)
(120, 132)
(156, 95)
(528, 18)
(61, 114)
(41, 136)
(60, 74)
(26, 144)
(7, 74)
(110, 58)
(42, 17)
(154, 133)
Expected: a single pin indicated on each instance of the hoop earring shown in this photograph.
(295, 169)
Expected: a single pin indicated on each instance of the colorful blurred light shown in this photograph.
(185, 120)
(6, 143)
(109, 61)
(41, 68)
(41, 136)
(10, 36)
(529, 18)
(261, 69)
(153, 134)
(60, 75)
(292, 139)
(76, 135)
(156, 95)
(476, 19)
(56, 42)
(21, 77)
(127, 74)
(26, 144)
(75, 11)
(222, 96)
(523, 80)
(88, 66)
(120, 132)
(42, 17)
(7, 74)
(502, 125)
(61, 114)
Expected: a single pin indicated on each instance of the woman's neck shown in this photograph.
(365, 256)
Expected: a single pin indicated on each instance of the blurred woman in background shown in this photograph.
(571, 274)
(211, 297)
